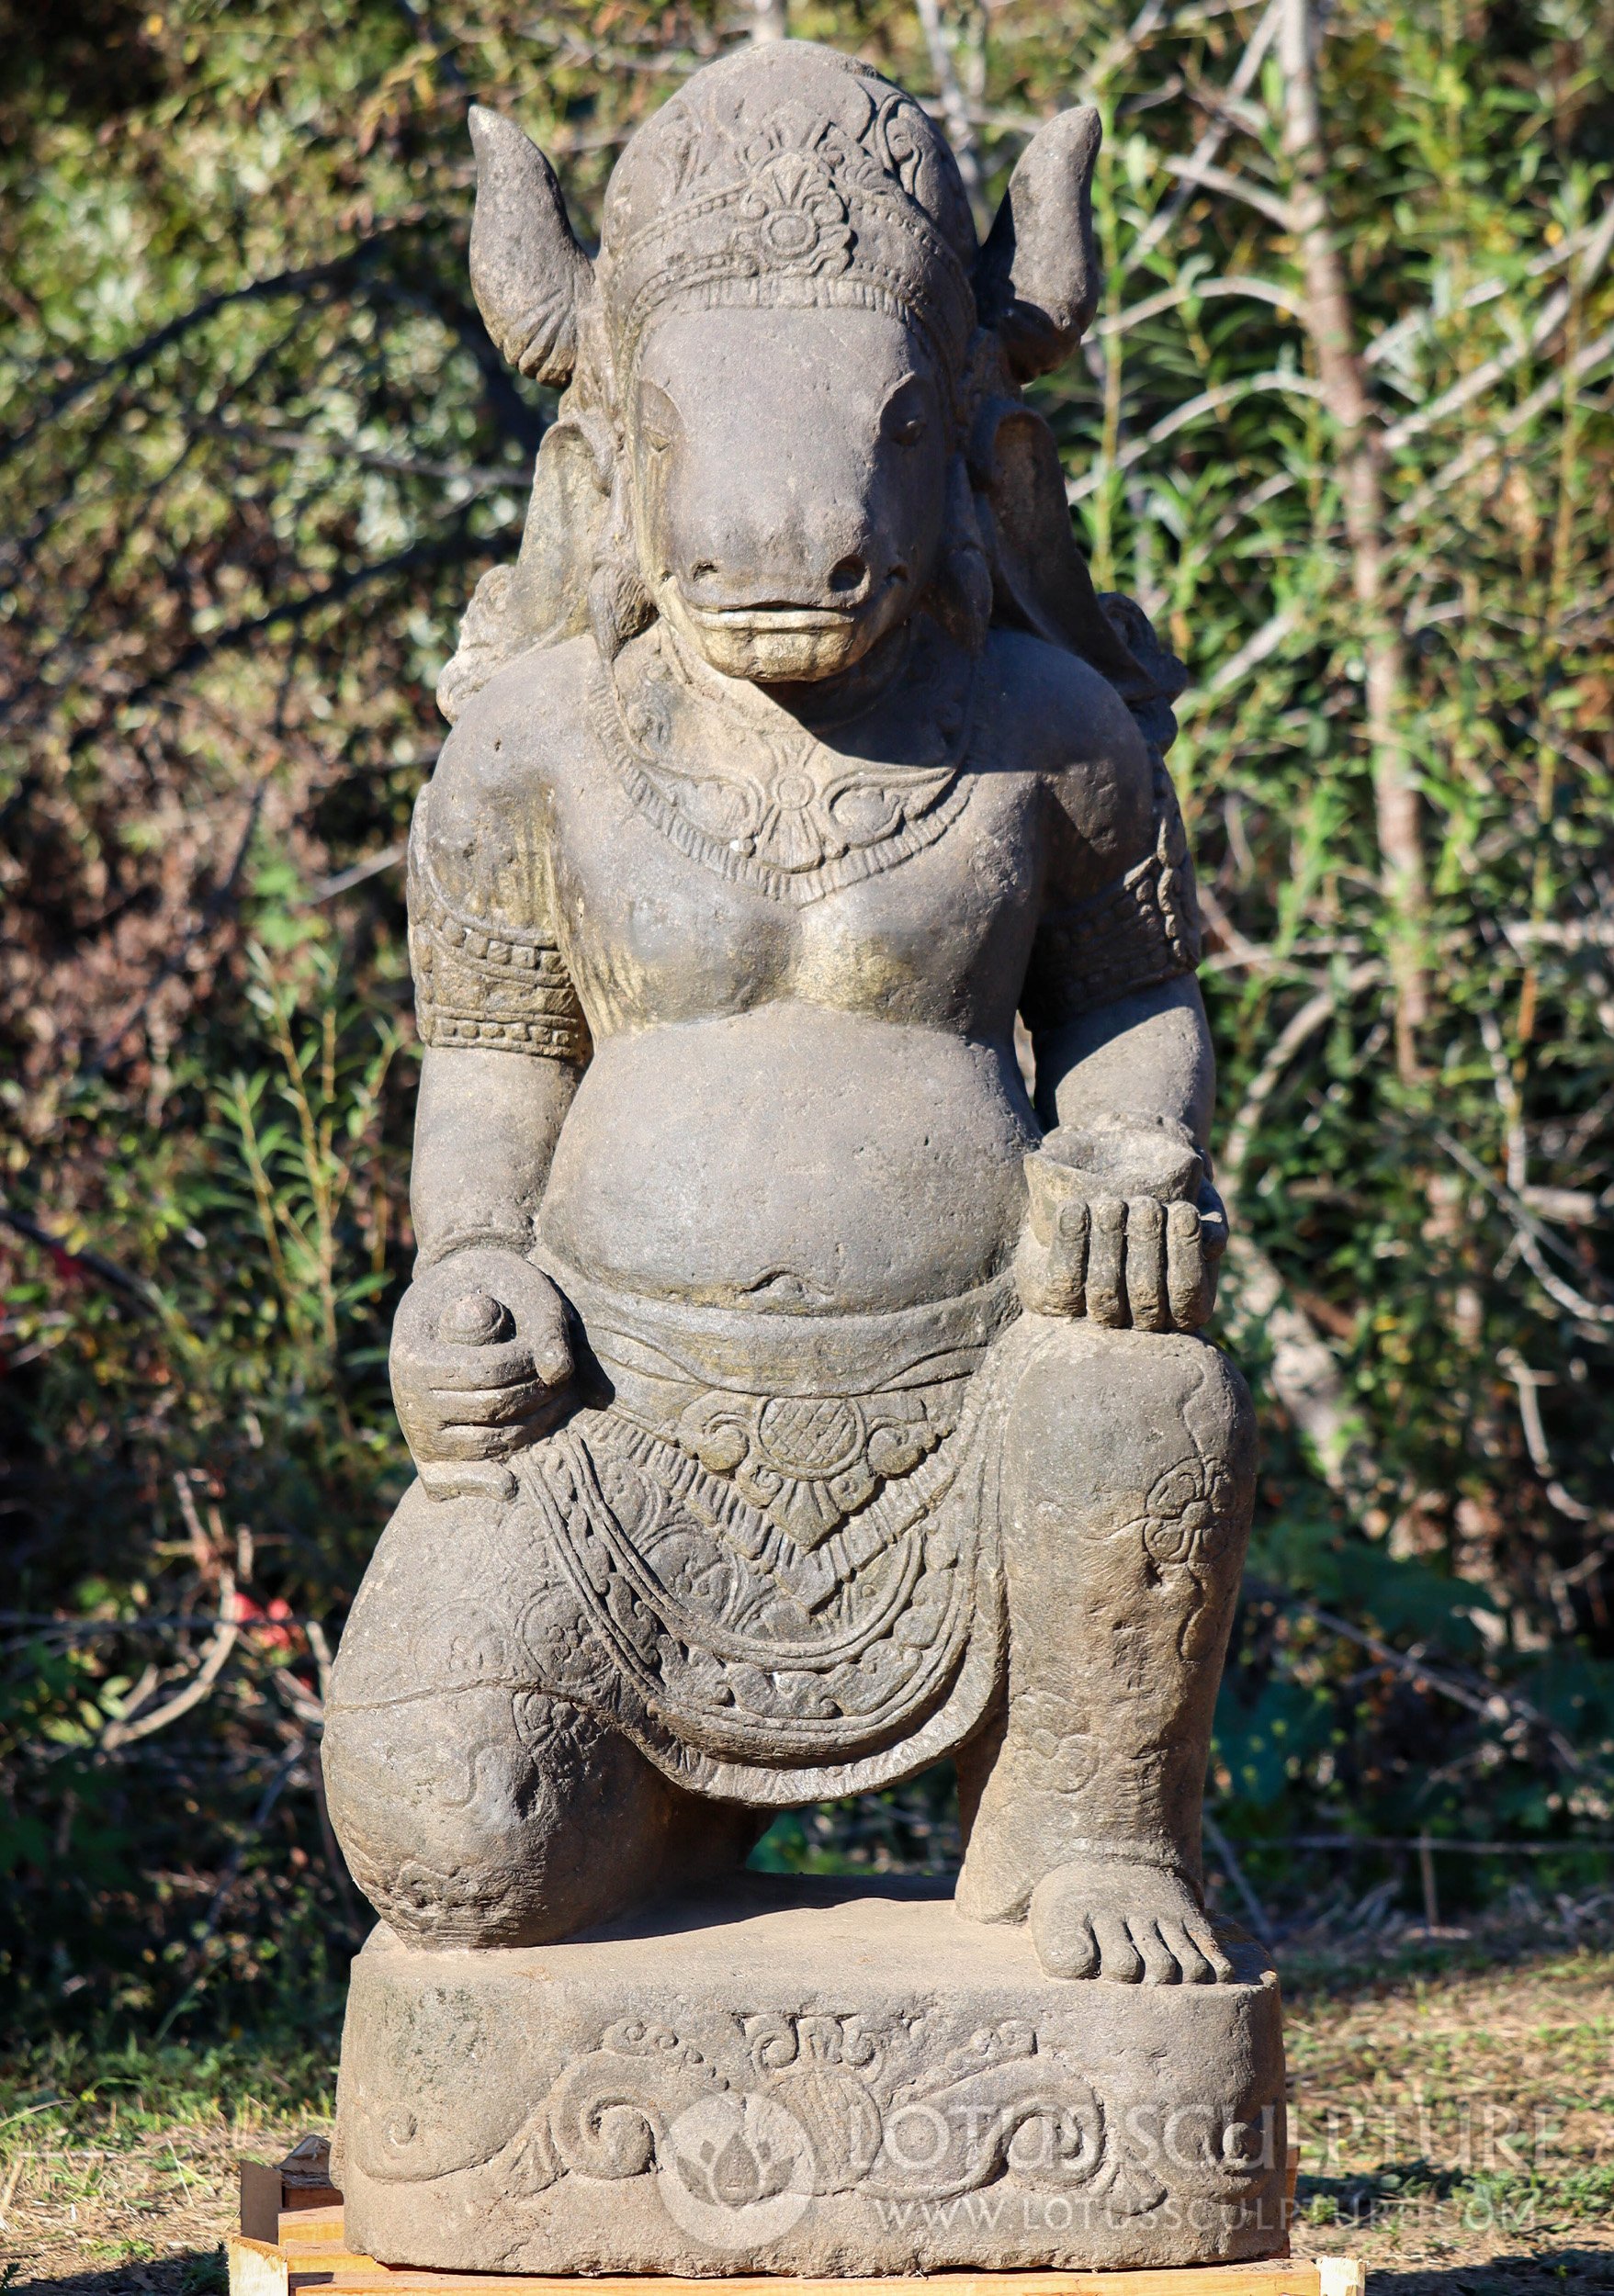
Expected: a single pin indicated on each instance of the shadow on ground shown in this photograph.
(1572, 2271)
(191, 2272)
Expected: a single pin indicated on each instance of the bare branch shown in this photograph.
(1271, 291)
(1204, 151)
(1481, 449)
(1207, 402)
(1233, 187)
(93, 1263)
(214, 1657)
(1494, 1706)
(1554, 314)
(346, 879)
(1330, 323)
(955, 111)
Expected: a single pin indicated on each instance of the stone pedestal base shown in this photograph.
(802, 2077)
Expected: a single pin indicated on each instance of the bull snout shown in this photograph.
(766, 564)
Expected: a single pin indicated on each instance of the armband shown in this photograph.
(477, 982)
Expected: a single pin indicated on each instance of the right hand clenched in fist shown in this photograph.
(481, 1360)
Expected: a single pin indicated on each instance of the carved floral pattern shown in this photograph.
(737, 2113)
(809, 1462)
(795, 215)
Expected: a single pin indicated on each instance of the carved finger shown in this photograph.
(1195, 1969)
(1117, 1957)
(1213, 1242)
(437, 1441)
(483, 1479)
(1106, 1256)
(506, 1405)
(1199, 1928)
(450, 1369)
(1068, 1260)
(1145, 1263)
(1185, 1272)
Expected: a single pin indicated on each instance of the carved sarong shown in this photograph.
(786, 1596)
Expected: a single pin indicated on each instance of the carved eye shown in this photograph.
(906, 416)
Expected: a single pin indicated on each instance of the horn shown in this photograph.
(528, 274)
(1038, 277)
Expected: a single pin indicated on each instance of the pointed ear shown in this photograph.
(528, 274)
(1037, 278)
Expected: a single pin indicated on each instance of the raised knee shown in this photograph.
(1112, 1424)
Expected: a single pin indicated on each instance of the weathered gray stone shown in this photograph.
(800, 2078)
(798, 1397)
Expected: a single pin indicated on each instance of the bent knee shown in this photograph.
(487, 1817)
(1108, 1420)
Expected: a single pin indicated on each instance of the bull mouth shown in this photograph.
(770, 615)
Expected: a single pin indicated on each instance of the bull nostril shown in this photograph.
(847, 573)
(703, 571)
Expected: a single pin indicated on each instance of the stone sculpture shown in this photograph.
(796, 1398)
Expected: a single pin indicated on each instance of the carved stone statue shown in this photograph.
(798, 1397)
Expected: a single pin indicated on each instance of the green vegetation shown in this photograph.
(254, 449)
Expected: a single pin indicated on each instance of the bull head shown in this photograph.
(788, 468)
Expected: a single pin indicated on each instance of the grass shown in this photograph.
(118, 2162)
(1456, 2124)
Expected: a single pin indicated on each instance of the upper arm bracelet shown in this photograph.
(477, 982)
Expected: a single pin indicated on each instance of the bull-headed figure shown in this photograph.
(795, 1400)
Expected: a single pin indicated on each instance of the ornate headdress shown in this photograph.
(787, 174)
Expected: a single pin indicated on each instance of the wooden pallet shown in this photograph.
(310, 2254)
(291, 2239)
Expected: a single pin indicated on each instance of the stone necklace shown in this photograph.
(792, 818)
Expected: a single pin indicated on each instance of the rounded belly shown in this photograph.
(791, 1157)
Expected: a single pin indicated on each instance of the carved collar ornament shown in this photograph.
(789, 816)
(793, 176)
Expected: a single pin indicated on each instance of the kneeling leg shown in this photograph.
(473, 1808)
(1128, 1479)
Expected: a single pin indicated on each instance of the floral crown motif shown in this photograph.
(770, 180)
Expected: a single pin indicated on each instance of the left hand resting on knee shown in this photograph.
(1124, 1227)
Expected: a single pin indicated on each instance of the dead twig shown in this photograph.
(93, 1263)
(1238, 1876)
(120, 1732)
(1495, 1705)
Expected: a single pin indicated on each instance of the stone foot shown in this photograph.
(1133, 1923)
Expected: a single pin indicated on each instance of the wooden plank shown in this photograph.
(348, 2274)
(312, 2255)
(256, 2268)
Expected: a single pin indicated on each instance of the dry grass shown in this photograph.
(1456, 2130)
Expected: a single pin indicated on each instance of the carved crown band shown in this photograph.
(794, 236)
(789, 179)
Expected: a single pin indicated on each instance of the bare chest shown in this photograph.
(703, 876)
